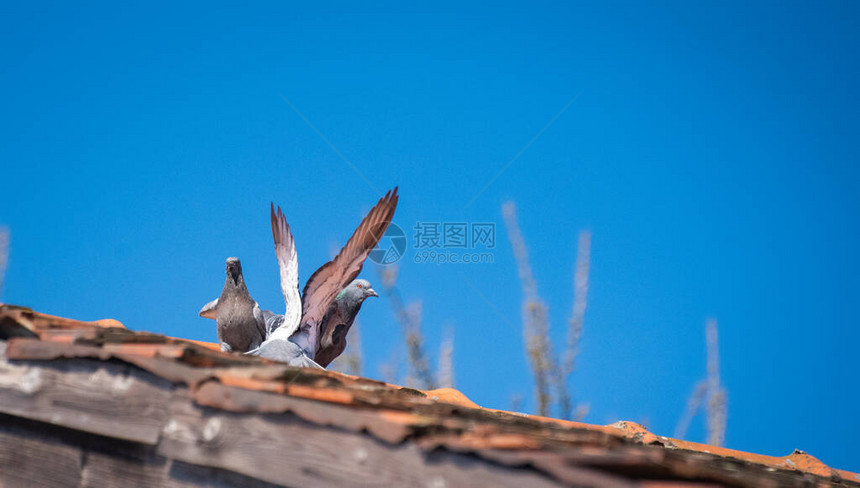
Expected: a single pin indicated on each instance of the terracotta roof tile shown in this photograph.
(621, 454)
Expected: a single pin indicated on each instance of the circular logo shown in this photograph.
(390, 247)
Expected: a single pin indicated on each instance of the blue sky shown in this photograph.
(711, 150)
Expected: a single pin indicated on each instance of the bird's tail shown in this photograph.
(305, 362)
(299, 361)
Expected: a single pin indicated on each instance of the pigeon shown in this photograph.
(225, 307)
(329, 280)
(240, 323)
(339, 319)
(323, 287)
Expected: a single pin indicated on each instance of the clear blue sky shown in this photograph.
(712, 151)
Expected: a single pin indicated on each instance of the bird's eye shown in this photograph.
(359, 285)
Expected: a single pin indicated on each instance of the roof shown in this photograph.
(107, 404)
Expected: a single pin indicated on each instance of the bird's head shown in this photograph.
(357, 291)
(234, 270)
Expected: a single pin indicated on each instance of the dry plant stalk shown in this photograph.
(716, 406)
(580, 412)
(710, 392)
(535, 321)
(419, 370)
(580, 300)
(4, 255)
(389, 371)
(693, 405)
(446, 360)
(540, 353)
(574, 328)
(516, 403)
(419, 375)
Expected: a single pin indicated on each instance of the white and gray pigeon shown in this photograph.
(324, 286)
(339, 319)
(240, 324)
(280, 345)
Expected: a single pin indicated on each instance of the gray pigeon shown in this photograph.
(266, 321)
(240, 322)
(339, 319)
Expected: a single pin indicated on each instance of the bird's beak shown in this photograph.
(372, 293)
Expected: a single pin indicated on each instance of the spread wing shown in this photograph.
(324, 285)
(288, 262)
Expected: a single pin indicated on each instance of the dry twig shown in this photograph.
(410, 318)
(574, 329)
(446, 360)
(535, 321)
(710, 392)
(4, 256)
(716, 406)
(693, 405)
